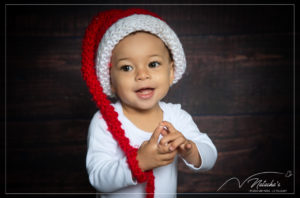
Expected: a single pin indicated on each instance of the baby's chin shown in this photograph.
(141, 106)
(145, 105)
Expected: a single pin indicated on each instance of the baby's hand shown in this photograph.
(173, 140)
(152, 155)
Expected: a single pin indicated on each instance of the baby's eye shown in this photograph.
(154, 64)
(126, 68)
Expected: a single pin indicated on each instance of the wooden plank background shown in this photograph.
(238, 87)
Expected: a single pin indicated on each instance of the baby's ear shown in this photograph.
(172, 71)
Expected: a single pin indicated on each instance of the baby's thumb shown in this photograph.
(185, 147)
(155, 135)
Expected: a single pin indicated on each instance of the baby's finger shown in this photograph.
(168, 138)
(177, 142)
(155, 136)
(188, 146)
(162, 149)
(182, 147)
(168, 156)
(164, 131)
(170, 127)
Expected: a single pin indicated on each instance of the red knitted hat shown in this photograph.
(103, 33)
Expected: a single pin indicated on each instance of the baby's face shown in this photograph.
(141, 71)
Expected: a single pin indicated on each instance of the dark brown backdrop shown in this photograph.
(238, 87)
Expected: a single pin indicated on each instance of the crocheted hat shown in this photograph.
(104, 32)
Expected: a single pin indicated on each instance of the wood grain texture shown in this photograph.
(238, 87)
(186, 20)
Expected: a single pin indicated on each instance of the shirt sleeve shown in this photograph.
(205, 146)
(106, 164)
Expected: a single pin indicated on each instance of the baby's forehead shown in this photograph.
(141, 40)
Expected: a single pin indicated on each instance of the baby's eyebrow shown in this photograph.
(154, 55)
(128, 58)
(121, 59)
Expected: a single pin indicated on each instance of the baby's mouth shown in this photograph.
(144, 90)
(145, 93)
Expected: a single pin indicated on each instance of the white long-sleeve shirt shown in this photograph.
(106, 163)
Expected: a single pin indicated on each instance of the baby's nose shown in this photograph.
(142, 74)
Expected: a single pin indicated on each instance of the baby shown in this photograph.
(133, 144)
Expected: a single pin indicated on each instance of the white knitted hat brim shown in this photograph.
(126, 26)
